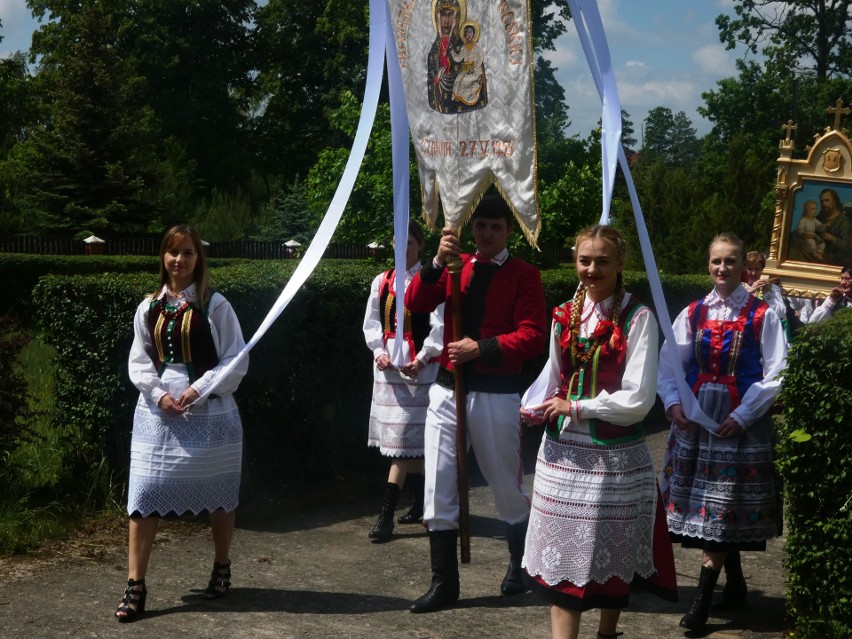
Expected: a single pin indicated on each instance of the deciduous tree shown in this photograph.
(807, 35)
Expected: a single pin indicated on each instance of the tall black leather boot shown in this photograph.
(516, 535)
(734, 593)
(415, 513)
(383, 528)
(444, 590)
(696, 618)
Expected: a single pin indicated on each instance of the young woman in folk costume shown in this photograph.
(401, 396)
(185, 456)
(719, 488)
(597, 527)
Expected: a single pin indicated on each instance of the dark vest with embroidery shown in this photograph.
(603, 371)
(417, 326)
(726, 352)
(181, 336)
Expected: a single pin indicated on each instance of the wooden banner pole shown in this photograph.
(455, 268)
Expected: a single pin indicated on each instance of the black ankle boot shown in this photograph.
(696, 618)
(734, 593)
(383, 528)
(516, 535)
(444, 590)
(415, 513)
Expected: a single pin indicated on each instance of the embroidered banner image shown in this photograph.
(467, 74)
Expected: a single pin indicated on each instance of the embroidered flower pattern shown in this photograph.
(584, 533)
(550, 556)
(619, 460)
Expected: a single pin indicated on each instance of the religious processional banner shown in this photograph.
(467, 75)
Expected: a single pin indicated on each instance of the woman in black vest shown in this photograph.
(186, 450)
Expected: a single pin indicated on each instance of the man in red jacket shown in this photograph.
(504, 324)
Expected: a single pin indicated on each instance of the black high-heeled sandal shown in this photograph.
(132, 604)
(220, 581)
(614, 635)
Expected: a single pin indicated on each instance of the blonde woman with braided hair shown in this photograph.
(597, 528)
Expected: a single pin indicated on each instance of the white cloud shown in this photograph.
(635, 64)
(673, 93)
(714, 60)
(564, 57)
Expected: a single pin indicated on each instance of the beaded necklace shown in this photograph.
(173, 312)
(603, 331)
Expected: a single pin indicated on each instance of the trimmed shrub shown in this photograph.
(305, 400)
(305, 382)
(19, 273)
(813, 459)
(14, 402)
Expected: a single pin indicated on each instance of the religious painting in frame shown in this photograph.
(812, 228)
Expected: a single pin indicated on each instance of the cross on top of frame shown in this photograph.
(838, 110)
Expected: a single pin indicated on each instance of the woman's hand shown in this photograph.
(412, 368)
(676, 416)
(188, 397)
(170, 406)
(383, 362)
(552, 408)
(531, 418)
(729, 428)
(759, 284)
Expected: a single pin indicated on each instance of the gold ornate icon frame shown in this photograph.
(828, 166)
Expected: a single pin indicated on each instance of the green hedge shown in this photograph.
(814, 453)
(19, 273)
(305, 401)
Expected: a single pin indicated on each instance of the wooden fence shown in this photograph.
(150, 245)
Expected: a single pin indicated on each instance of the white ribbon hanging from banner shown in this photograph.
(588, 20)
(379, 19)
(401, 180)
(590, 29)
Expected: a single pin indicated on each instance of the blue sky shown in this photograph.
(665, 53)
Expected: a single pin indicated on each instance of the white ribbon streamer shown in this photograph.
(400, 159)
(379, 19)
(590, 29)
(593, 40)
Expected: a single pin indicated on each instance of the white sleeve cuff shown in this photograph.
(157, 394)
